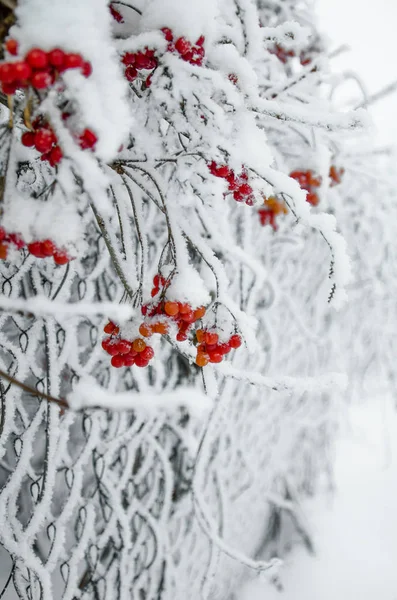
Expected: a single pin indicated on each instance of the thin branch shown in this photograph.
(30, 390)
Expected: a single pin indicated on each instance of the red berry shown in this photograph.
(188, 317)
(148, 353)
(61, 257)
(224, 348)
(211, 337)
(22, 70)
(142, 61)
(3, 234)
(56, 58)
(245, 189)
(129, 58)
(140, 361)
(86, 69)
(44, 139)
(183, 46)
(48, 247)
(131, 73)
(55, 156)
(37, 58)
(88, 139)
(112, 348)
(109, 327)
(41, 80)
(129, 360)
(117, 361)
(27, 139)
(215, 356)
(9, 88)
(235, 341)
(171, 308)
(73, 61)
(200, 41)
(36, 250)
(12, 46)
(181, 337)
(3, 251)
(16, 240)
(124, 346)
(312, 198)
(167, 34)
(6, 73)
(158, 280)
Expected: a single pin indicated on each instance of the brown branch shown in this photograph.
(30, 390)
(11, 4)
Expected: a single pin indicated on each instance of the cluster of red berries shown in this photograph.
(273, 208)
(309, 182)
(210, 349)
(144, 60)
(38, 69)
(180, 313)
(39, 249)
(125, 353)
(191, 53)
(237, 184)
(45, 141)
(283, 55)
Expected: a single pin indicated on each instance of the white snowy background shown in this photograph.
(355, 528)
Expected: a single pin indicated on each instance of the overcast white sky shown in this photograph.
(370, 28)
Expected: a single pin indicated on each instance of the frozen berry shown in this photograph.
(167, 34)
(199, 313)
(22, 70)
(27, 139)
(6, 73)
(215, 356)
(37, 58)
(109, 327)
(41, 80)
(124, 346)
(73, 61)
(36, 250)
(117, 361)
(55, 156)
(202, 359)
(145, 330)
(235, 341)
(131, 73)
(88, 139)
(183, 46)
(171, 308)
(86, 68)
(161, 328)
(139, 345)
(48, 247)
(43, 140)
(140, 361)
(147, 353)
(12, 46)
(61, 257)
(211, 338)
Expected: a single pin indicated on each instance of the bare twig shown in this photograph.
(30, 390)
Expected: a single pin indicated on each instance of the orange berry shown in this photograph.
(202, 359)
(145, 330)
(199, 313)
(139, 345)
(171, 308)
(161, 328)
(184, 308)
(211, 338)
(200, 333)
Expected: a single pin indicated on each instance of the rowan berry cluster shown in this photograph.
(211, 350)
(309, 182)
(38, 69)
(191, 53)
(144, 60)
(181, 313)
(237, 184)
(273, 208)
(39, 249)
(44, 139)
(125, 353)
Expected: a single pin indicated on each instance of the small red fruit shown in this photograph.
(37, 58)
(129, 360)
(12, 46)
(140, 361)
(6, 73)
(27, 139)
(22, 70)
(211, 338)
(215, 356)
(43, 140)
(145, 330)
(56, 58)
(131, 73)
(183, 46)
(161, 328)
(55, 156)
(41, 80)
(86, 68)
(61, 257)
(73, 61)
(138, 345)
(181, 337)
(36, 250)
(117, 361)
(48, 247)
(109, 327)
(168, 34)
(147, 353)
(88, 139)
(202, 359)
(235, 341)
(124, 346)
